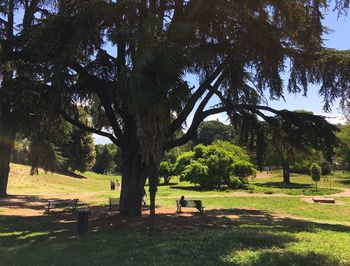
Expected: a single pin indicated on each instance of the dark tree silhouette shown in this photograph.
(237, 50)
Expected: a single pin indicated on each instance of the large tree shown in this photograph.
(299, 132)
(343, 151)
(19, 87)
(128, 61)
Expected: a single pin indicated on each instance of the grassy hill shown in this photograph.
(58, 185)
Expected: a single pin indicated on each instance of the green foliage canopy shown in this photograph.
(215, 165)
(343, 151)
(315, 172)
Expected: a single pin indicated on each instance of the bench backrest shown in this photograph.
(114, 201)
(190, 203)
(62, 203)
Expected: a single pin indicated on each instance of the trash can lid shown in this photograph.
(84, 210)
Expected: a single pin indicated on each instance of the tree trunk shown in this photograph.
(286, 175)
(7, 138)
(167, 180)
(134, 174)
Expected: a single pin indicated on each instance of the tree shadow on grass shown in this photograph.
(281, 185)
(217, 237)
(31, 202)
(165, 185)
(344, 181)
(27, 202)
(196, 188)
(71, 174)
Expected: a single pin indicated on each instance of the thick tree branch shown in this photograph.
(29, 14)
(204, 114)
(193, 128)
(89, 129)
(194, 98)
(110, 113)
(105, 101)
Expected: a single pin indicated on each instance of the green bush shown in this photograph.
(243, 169)
(234, 182)
(182, 161)
(196, 173)
(166, 170)
(215, 165)
(315, 172)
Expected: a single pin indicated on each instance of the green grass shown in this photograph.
(22, 183)
(282, 205)
(266, 230)
(29, 241)
(291, 189)
(338, 179)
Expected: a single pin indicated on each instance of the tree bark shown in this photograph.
(286, 175)
(7, 138)
(134, 174)
(167, 180)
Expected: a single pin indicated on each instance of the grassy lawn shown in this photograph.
(282, 205)
(22, 183)
(245, 229)
(33, 241)
(301, 182)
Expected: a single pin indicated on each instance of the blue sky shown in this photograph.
(338, 38)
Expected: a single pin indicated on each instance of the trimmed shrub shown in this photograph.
(215, 165)
(315, 172)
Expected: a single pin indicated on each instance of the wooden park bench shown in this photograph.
(113, 202)
(323, 200)
(197, 204)
(61, 204)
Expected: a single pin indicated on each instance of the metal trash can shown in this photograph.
(83, 218)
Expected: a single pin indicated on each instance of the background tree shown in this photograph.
(302, 161)
(107, 159)
(19, 94)
(44, 154)
(294, 134)
(271, 157)
(209, 131)
(20, 151)
(167, 167)
(166, 170)
(343, 151)
(80, 149)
